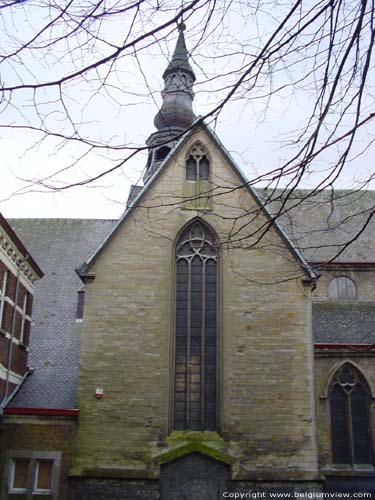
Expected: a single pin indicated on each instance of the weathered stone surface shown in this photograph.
(112, 489)
(266, 380)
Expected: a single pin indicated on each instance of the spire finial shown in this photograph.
(181, 26)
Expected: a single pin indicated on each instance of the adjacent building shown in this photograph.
(18, 276)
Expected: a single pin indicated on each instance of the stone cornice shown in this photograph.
(14, 258)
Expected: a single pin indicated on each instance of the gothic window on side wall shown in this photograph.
(350, 409)
(195, 367)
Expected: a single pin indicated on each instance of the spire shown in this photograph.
(180, 58)
(176, 110)
(176, 113)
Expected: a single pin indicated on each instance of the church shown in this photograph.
(215, 341)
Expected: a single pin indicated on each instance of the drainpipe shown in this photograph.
(13, 328)
(3, 404)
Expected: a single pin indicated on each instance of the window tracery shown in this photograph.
(197, 164)
(195, 377)
(350, 409)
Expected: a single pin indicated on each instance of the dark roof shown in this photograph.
(320, 224)
(59, 245)
(344, 322)
(180, 58)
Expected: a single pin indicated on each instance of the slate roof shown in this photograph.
(321, 224)
(59, 246)
(344, 322)
(180, 58)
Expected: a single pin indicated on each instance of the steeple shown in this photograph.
(176, 113)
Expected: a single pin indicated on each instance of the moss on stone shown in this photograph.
(182, 443)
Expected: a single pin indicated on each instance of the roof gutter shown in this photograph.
(48, 412)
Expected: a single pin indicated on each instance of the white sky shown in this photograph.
(252, 138)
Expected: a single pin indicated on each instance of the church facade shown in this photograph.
(200, 346)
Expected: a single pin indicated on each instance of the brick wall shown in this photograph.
(19, 351)
(30, 433)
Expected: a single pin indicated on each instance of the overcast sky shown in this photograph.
(255, 139)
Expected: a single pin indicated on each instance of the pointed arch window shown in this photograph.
(197, 164)
(195, 375)
(350, 409)
(197, 185)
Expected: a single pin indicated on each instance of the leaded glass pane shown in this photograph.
(197, 232)
(339, 426)
(349, 399)
(181, 343)
(360, 405)
(204, 169)
(346, 376)
(195, 399)
(191, 169)
(210, 347)
(185, 250)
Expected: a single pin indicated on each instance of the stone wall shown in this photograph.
(266, 377)
(113, 489)
(363, 278)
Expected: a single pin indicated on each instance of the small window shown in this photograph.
(204, 168)
(191, 169)
(80, 304)
(342, 287)
(43, 476)
(20, 472)
(34, 473)
(197, 164)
